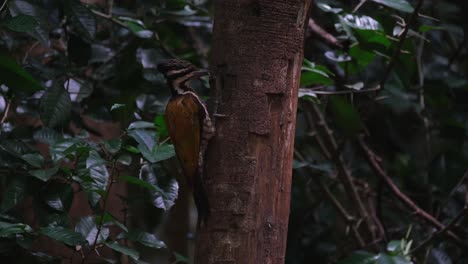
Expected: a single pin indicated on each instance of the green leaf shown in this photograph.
(138, 182)
(145, 238)
(61, 149)
(81, 18)
(167, 187)
(360, 22)
(14, 194)
(109, 219)
(46, 135)
(21, 23)
(326, 8)
(113, 145)
(58, 196)
(11, 229)
(146, 142)
(44, 175)
(337, 56)
(180, 259)
(305, 92)
(63, 234)
(125, 159)
(163, 152)
(41, 31)
(94, 160)
(34, 159)
(346, 116)
(89, 230)
(124, 250)
(313, 74)
(117, 106)
(394, 246)
(15, 77)
(55, 106)
(161, 126)
(400, 5)
(141, 125)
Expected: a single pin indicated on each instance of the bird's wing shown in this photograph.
(184, 122)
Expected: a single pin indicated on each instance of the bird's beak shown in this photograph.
(200, 73)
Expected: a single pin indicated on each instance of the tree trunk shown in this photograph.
(257, 58)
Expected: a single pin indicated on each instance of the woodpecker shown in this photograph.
(189, 126)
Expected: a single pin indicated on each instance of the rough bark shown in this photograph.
(257, 58)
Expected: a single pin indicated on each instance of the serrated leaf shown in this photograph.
(44, 175)
(11, 229)
(94, 160)
(61, 149)
(400, 5)
(89, 230)
(13, 194)
(81, 18)
(55, 106)
(46, 135)
(124, 250)
(41, 31)
(15, 77)
(361, 22)
(63, 234)
(21, 23)
(93, 179)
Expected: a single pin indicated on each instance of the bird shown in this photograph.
(189, 126)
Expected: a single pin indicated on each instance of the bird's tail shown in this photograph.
(201, 201)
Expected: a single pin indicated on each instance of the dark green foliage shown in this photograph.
(67, 70)
(64, 65)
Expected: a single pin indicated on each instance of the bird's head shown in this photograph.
(179, 73)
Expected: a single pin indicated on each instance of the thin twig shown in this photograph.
(457, 52)
(110, 18)
(344, 174)
(314, 27)
(350, 91)
(397, 51)
(372, 159)
(104, 206)
(359, 5)
(6, 112)
(442, 231)
(3, 5)
(454, 189)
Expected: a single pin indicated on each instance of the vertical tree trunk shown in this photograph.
(257, 58)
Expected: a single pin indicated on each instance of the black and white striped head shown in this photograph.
(179, 73)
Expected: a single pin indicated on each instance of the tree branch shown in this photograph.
(319, 31)
(344, 174)
(372, 159)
